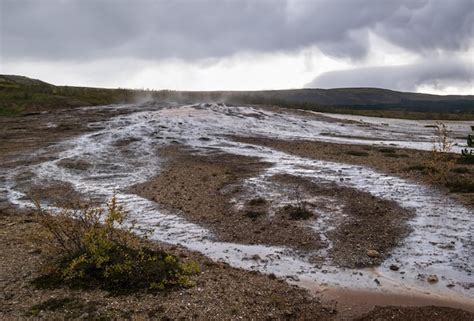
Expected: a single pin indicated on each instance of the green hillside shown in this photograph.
(20, 95)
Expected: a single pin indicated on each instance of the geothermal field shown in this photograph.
(330, 203)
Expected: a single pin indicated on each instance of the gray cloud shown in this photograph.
(437, 73)
(190, 30)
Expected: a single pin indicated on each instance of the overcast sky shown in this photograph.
(409, 45)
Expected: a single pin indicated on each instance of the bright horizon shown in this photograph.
(415, 46)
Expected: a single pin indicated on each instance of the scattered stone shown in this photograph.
(394, 267)
(255, 257)
(432, 278)
(272, 276)
(377, 282)
(373, 253)
(293, 278)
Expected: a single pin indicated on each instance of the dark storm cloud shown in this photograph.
(78, 30)
(435, 73)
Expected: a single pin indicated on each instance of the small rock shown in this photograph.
(255, 257)
(377, 281)
(450, 285)
(433, 278)
(373, 253)
(394, 267)
(293, 278)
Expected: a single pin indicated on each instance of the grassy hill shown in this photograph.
(19, 95)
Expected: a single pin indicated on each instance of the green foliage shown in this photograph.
(467, 156)
(92, 247)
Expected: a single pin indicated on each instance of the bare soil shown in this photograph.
(368, 224)
(415, 314)
(201, 187)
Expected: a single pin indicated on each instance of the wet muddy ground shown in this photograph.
(264, 190)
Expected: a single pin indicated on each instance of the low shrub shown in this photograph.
(298, 212)
(88, 246)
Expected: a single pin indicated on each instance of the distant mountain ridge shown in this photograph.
(20, 92)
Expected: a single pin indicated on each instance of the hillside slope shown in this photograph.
(20, 94)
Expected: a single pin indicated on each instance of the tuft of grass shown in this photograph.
(460, 170)
(357, 153)
(387, 151)
(461, 186)
(298, 212)
(92, 247)
(254, 214)
(257, 201)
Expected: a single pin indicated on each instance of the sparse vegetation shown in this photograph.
(254, 214)
(357, 153)
(88, 246)
(441, 161)
(467, 156)
(460, 186)
(257, 201)
(298, 210)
